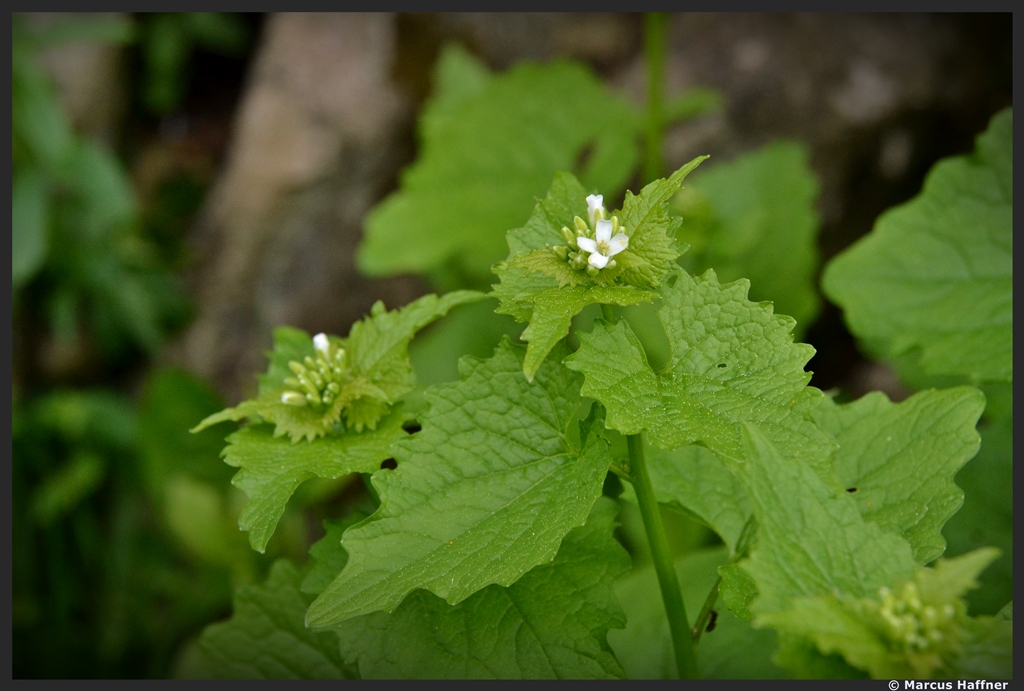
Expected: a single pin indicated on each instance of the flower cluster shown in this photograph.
(915, 626)
(593, 245)
(317, 381)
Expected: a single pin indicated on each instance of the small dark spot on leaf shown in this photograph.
(721, 365)
(389, 463)
(412, 427)
(712, 620)
(852, 490)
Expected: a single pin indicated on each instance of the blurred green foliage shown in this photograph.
(125, 539)
(79, 256)
(102, 584)
(168, 40)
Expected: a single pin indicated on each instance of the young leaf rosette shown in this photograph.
(572, 253)
(339, 394)
(316, 386)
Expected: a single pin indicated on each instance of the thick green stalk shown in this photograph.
(655, 33)
(682, 640)
(678, 624)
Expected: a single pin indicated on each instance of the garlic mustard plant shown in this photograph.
(514, 491)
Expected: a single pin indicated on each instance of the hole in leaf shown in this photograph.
(721, 365)
(412, 427)
(852, 490)
(389, 463)
(671, 280)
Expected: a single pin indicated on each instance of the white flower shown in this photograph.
(604, 247)
(595, 202)
(321, 343)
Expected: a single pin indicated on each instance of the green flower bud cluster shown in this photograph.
(317, 381)
(917, 627)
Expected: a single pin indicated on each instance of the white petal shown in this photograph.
(603, 232)
(598, 261)
(594, 202)
(617, 244)
(586, 244)
(321, 343)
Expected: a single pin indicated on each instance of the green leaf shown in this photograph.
(271, 468)
(732, 361)
(172, 400)
(800, 656)
(732, 650)
(458, 77)
(987, 514)
(811, 539)
(107, 197)
(483, 493)
(197, 513)
(738, 590)
(377, 371)
(651, 229)
(39, 125)
(693, 102)
(936, 273)
(329, 558)
(266, 638)
(988, 650)
(486, 153)
(693, 480)
(760, 223)
(554, 308)
(897, 460)
(920, 631)
(474, 330)
(97, 415)
(30, 234)
(69, 485)
(551, 623)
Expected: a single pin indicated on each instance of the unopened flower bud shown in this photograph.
(321, 344)
(293, 398)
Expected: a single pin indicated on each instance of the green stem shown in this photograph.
(682, 640)
(655, 33)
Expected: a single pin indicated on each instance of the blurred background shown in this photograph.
(184, 183)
